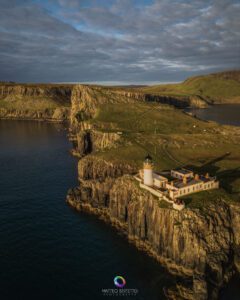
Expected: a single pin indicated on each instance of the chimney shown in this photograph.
(171, 183)
(207, 175)
(196, 177)
(184, 180)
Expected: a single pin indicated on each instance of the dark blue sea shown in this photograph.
(47, 250)
(226, 114)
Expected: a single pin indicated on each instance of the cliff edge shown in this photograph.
(202, 245)
(35, 102)
(111, 131)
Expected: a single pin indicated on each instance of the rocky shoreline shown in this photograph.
(201, 246)
(196, 245)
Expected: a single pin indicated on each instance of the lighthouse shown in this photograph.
(148, 171)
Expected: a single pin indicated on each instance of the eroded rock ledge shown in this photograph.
(34, 101)
(202, 245)
(50, 115)
(42, 102)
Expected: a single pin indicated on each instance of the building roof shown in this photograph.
(148, 157)
(179, 183)
(159, 177)
(204, 179)
(183, 171)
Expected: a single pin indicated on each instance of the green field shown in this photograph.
(219, 87)
(170, 136)
(173, 139)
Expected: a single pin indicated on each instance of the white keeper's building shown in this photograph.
(183, 181)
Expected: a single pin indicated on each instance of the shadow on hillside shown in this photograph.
(209, 166)
(226, 177)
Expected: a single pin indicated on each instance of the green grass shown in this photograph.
(202, 199)
(170, 136)
(147, 118)
(173, 139)
(211, 87)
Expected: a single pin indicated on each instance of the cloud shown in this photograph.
(121, 40)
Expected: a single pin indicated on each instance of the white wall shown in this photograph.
(195, 188)
(148, 177)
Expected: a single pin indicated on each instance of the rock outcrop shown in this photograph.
(58, 92)
(51, 102)
(35, 102)
(87, 141)
(197, 101)
(96, 168)
(53, 115)
(200, 245)
(86, 100)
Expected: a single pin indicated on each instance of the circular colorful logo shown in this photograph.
(119, 281)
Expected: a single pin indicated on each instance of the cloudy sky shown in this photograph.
(126, 41)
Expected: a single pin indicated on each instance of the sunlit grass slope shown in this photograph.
(173, 139)
(220, 87)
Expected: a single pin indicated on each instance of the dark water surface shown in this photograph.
(228, 114)
(47, 250)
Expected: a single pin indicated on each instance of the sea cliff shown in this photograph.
(35, 102)
(111, 129)
(201, 245)
(51, 102)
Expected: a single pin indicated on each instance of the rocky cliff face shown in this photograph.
(196, 101)
(201, 245)
(87, 141)
(86, 99)
(235, 222)
(54, 115)
(35, 102)
(177, 101)
(85, 103)
(96, 168)
(62, 93)
(46, 102)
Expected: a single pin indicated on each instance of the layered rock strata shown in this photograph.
(35, 102)
(201, 245)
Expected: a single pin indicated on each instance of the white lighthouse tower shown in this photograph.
(148, 171)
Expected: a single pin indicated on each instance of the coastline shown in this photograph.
(177, 224)
(169, 237)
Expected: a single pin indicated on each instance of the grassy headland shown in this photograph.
(214, 88)
(173, 139)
